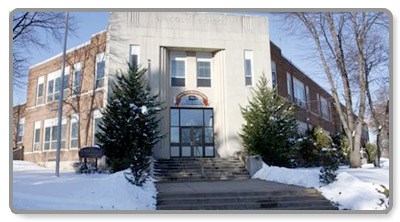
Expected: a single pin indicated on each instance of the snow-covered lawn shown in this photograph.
(354, 189)
(36, 188)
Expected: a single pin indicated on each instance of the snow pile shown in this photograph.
(352, 193)
(355, 189)
(36, 188)
(300, 176)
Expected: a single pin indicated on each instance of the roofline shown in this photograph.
(68, 50)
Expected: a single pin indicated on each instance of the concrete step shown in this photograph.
(196, 169)
(236, 199)
(293, 192)
(201, 178)
(303, 204)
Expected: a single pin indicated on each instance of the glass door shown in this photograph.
(192, 141)
(191, 132)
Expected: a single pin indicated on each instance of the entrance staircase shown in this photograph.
(224, 184)
(198, 169)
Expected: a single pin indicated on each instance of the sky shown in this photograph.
(89, 23)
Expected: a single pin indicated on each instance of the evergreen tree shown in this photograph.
(128, 129)
(270, 127)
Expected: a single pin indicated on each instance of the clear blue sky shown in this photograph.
(89, 23)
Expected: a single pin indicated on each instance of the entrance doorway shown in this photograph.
(192, 132)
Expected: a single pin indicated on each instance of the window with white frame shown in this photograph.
(74, 131)
(54, 85)
(97, 116)
(325, 108)
(248, 67)
(178, 68)
(289, 85)
(77, 78)
(50, 134)
(274, 74)
(299, 93)
(36, 136)
(204, 68)
(20, 130)
(134, 55)
(100, 70)
(39, 91)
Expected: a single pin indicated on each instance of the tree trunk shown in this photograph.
(378, 149)
(355, 158)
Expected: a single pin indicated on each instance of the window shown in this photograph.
(36, 136)
(100, 70)
(97, 116)
(299, 93)
(20, 130)
(325, 108)
(134, 55)
(289, 86)
(273, 73)
(39, 91)
(50, 134)
(248, 67)
(178, 69)
(204, 69)
(77, 79)
(308, 106)
(54, 85)
(74, 131)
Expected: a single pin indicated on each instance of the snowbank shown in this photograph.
(355, 189)
(36, 188)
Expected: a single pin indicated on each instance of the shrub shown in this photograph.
(330, 163)
(270, 127)
(371, 150)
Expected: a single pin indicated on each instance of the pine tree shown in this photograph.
(128, 129)
(270, 127)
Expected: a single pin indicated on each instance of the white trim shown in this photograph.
(98, 33)
(40, 81)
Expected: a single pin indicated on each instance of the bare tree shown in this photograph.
(83, 101)
(31, 31)
(342, 41)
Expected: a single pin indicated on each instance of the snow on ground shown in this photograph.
(355, 189)
(36, 188)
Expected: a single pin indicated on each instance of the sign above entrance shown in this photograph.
(191, 98)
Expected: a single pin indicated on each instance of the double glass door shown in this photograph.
(191, 132)
(192, 141)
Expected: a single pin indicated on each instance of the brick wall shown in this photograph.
(89, 100)
(312, 115)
